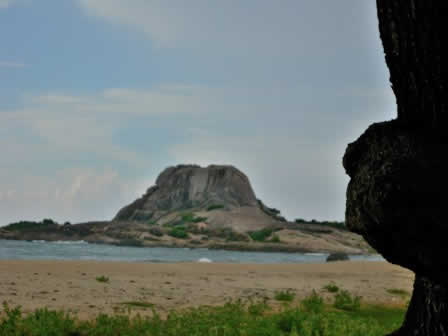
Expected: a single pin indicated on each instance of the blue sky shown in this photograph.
(98, 96)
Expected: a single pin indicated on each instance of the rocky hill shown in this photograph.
(223, 189)
(191, 206)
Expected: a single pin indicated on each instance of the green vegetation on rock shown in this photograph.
(190, 217)
(178, 232)
(261, 235)
(333, 224)
(275, 239)
(46, 224)
(215, 207)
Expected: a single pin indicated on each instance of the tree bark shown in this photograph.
(415, 39)
(428, 310)
(414, 35)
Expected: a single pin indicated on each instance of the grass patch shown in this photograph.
(398, 292)
(102, 279)
(331, 288)
(285, 296)
(345, 301)
(215, 207)
(137, 304)
(178, 232)
(275, 239)
(232, 319)
(313, 303)
(261, 235)
(190, 217)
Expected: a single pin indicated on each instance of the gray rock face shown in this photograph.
(338, 257)
(191, 186)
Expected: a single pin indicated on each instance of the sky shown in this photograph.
(97, 97)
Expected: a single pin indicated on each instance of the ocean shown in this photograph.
(80, 250)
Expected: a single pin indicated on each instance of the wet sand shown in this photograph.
(72, 285)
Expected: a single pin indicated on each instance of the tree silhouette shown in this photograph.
(398, 192)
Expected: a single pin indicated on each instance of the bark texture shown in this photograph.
(428, 310)
(414, 35)
(397, 194)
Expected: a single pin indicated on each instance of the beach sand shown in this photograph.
(72, 285)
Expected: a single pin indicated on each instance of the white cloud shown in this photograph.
(4, 64)
(69, 195)
(286, 29)
(5, 3)
(63, 148)
(301, 178)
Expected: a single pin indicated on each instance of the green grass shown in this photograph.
(137, 304)
(178, 232)
(345, 301)
(285, 296)
(260, 235)
(398, 292)
(103, 279)
(275, 239)
(190, 217)
(215, 207)
(313, 303)
(310, 318)
(331, 288)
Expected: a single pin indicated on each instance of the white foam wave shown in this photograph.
(204, 260)
(316, 254)
(70, 242)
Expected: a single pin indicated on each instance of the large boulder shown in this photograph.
(191, 186)
(340, 256)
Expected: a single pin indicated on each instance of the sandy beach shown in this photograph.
(72, 285)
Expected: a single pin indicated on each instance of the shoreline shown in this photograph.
(73, 286)
(254, 247)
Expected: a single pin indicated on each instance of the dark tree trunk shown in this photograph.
(428, 310)
(386, 203)
(414, 35)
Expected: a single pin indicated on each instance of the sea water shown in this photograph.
(80, 250)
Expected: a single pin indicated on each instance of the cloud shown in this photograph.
(302, 178)
(286, 30)
(70, 194)
(81, 156)
(5, 3)
(4, 64)
(9, 3)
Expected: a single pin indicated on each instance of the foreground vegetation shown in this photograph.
(310, 317)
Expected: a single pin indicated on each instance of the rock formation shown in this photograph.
(397, 194)
(190, 186)
(338, 257)
(189, 206)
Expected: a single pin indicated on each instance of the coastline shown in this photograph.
(241, 247)
(73, 285)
